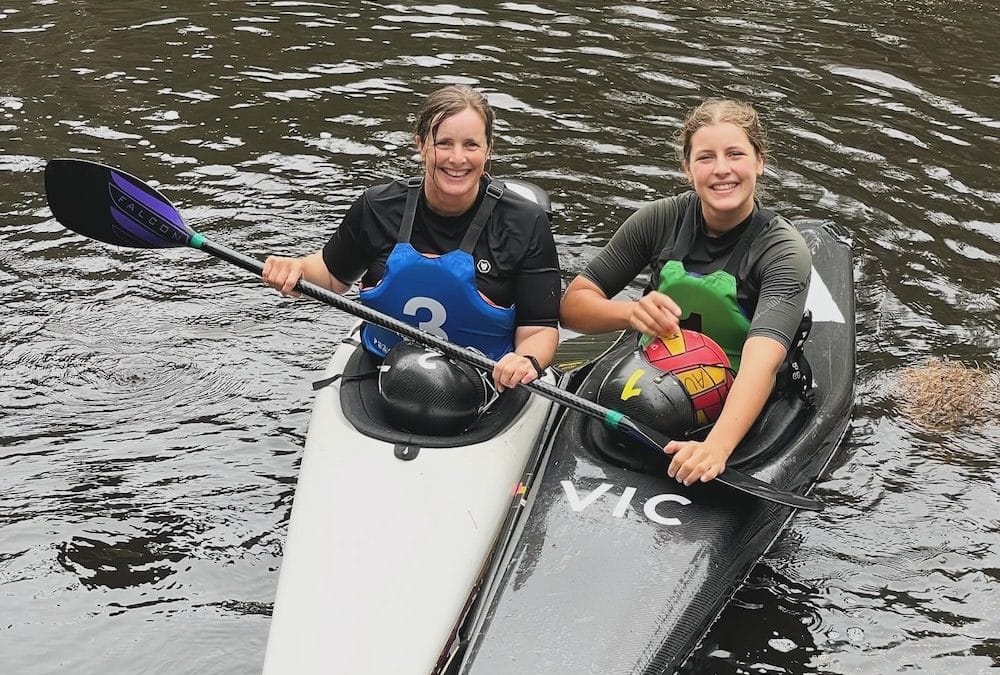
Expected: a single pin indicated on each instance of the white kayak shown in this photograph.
(389, 536)
(389, 531)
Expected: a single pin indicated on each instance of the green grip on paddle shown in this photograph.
(196, 240)
(612, 418)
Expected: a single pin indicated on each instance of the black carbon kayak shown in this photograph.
(615, 570)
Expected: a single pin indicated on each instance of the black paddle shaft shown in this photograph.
(404, 329)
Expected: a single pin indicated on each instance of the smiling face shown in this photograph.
(723, 167)
(454, 159)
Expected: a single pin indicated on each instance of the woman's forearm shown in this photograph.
(314, 270)
(760, 361)
(585, 309)
(537, 341)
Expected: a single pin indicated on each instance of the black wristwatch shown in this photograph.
(536, 364)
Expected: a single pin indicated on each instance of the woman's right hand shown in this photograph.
(655, 314)
(283, 273)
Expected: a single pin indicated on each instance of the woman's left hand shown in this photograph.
(513, 369)
(696, 460)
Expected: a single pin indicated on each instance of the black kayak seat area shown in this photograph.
(780, 422)
(364, 407)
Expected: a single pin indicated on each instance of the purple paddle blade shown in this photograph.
(112, 206)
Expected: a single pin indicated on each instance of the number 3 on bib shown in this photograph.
(438, 315)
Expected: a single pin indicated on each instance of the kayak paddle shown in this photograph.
(117, 208)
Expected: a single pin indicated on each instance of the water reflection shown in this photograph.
(121, 564)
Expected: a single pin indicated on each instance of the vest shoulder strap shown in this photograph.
(494, 193)
(413, 187)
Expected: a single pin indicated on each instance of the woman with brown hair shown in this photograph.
(450, 252)
(719, 264)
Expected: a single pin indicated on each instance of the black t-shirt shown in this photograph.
(515, 256)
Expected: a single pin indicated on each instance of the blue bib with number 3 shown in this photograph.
(438, 294)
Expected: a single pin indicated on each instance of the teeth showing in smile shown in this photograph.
(721, 187)
(456, 173)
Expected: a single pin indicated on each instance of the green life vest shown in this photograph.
(709, 302)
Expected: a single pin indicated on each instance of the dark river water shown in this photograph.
(153, 405)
